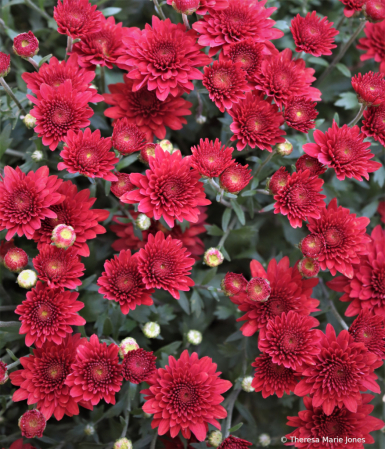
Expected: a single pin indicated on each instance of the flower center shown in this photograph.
(24, 43)
(125, 283)
(44, 312)
(99, 372)
(333, 237)
(60, 116)
(221, 80)
(22, 201)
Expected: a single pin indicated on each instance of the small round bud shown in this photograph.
(309, 268)
(123, 443)
(233, 284)
(147, 152)
(278, 181)
(5, 64)
(37, 156)
(194, 337)
(246, 384)
(258, 289)
(89, 429)
(122, 185)
(374, 10)
(63, 236)
(143, 222)
(285, 148)
(26, 45)
(32, 424)
(235, 178)
(30, 122)
(15, 260)
(264, 439)
(3, 373)
(151, 329)
(166, 145)
(27, 279)
(185, 6)
(127, 345)
(213, 257)
(311, 245)
(201, 119)
(215, 438)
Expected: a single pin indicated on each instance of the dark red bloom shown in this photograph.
(102, 47)
(26, 200)
(122, 185)
(234, 443)
(344, 150)
(258, 289)
(300, 113)
(77, 18)
(145, 110)
(18, 444)
(163, 57)
(307, 162)
(89, 154)
(239, 21)
(210, 158)
(374, 43)
(278, 181)
(369, 329)
(127, 137)
(342, 429)
(60, 110)
(289, 291)
(74, 211)
(235, 178)
(32, 424)
(55, 73)
(290, 340)
(185, 396)
(270, 378)
(256, 122)
(233, 284)
(122, 282)
(169, 189)
(42, 381)
(48, 314)
(341, 370)
(352, 6)
(5, 64)
(26, 45)
(344, 238)
(300, 199)
(201, 7)
(282, 77)
(373, 124)
(165, 263)
(374, 10)
(16, 259)
(59, 267)
(313, 34)
(370, 88)
(138, 366)
(308, 267)
(312, 245)
(226, 83)
(365, 290)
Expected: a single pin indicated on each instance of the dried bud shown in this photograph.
(143, 222)
(32, 424)
(15, 260)
(246, 384)
(151, 329)
(127, 345)
(309, 268)
(27, 279)
(311, 245)
(215, 438)
(89, 429)
(5, 64)
(30, 122)
(264, 439)
(184, 6)
(3, 373)
(258, 289)
(63, 236)
(26, 45)
(194, 337)
(37, 156)
(285, 148)
(213, 257)
(123, 443)
(166, 145)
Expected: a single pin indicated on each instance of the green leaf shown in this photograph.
(5, 139)
(282, 25)
(319, 61)
(249, 193)
(12, 355)
(209, 275)
(184, 302)
(214, 230)
(344, 70)
(45, 59)
(169, 349)
(196, 303)
(337, 118)
(226, 218)
(87, 282)
(348, 100)
(239, 212)
(268, 208)
(235, 428)
(110, 11)
(379, 176)
(107, 187)
(125, 162)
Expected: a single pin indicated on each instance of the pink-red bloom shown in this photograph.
(232, 442)
(373, 124)
(312, 245)
(370, 88)
(26, 199)
(300, 114)
(307, 162)
(233, 283)
(278, 181)
(374, 43)
(16, 259)
(352, 6)
(18, 444)
(48, 314)
(185, 396)
(26, 45)
(122, 185)
(369, 329)
(138, 366)
(210, 158)
(235, 178)
(127, 137)
(258, 289)
(5, 64)
(374, 10)
(32, 424)
(201, 7)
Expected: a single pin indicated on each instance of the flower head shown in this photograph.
(27, 279)
(32, 424)
(48, 314)
(5, 64)
(373, 124)
(210, 5)
(312, 164)
(370, 88)
(232, 442)
(308, 267)
(278, 181)
(210, 158)
(26, 45)
(151, 329)
(258, 289)
(213, 257)
(63, 236)
(235, 178)
(127, 345)
(312, 245)
(16, 259)
(374, 10)
(194, 337)
(127, 137)
(122, 282)
(369, 329)
(233, 283)
(3, 373)
(373, 43)
(352, 6)
(122, 185)
(138, 366)
(189, 390)
(184, 6)
(300, 114)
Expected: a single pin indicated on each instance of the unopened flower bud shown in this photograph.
(258, 289)
(201, 119)
(285, 148)
(213, 257)
(29, 121)
(151, 329)
(147, 153)
(233, 283)
(312, 245)
(127, 345)
(26, 45)
(215, 438)
(5, 64)
(309, 268)
(123, 443)
(37, 156)
(246, 384)
(374, 10)
(27, 279)
(264, 439)
(15, 260)
(143, 222)
(32, 424)
(185, 6)
(166, 145)
(278, 181)
(3, 373)
(194, 337)
(89, 429)
(63, 236)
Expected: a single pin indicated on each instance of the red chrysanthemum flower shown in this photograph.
(102, 47)
(5, 64)
(373, 124)
(55, 73)
(60, 110)
(340, 371)
(343, 236)
(306, 162)
(365, 290)
(16, 259)
(169, 189)
(201, 7)
(352, 6)
(278, 181)
(138, 366)
(163, 57)
(127, 137)
(374, 43)
(308, 267)
(344, 150)
(233, 283)
(289, 291)
(59, 267)
(48, 314)
(239, 21)
(32, 424)
(270, 378)
(300, 114)
(42, 379)
(145, 110)
(374, 10)
(77, 18)
(342, 429)
(226, 83)
(165, 263)
(96, 373)
(300, 199)
(185, 396)
(210, 158)
(26, 200)
(88, 154)
(18, 444)
(74, 211)
(312, 245)
(122, 282)
(369, 329)
(313, 34)
(370, 88)
(234, 443)
(380, 210)
(290, 340)
(122, 185)
(26, 45)
(256, 122)
(282, 77)
(184, 6)
(258, 289)
(235, 178)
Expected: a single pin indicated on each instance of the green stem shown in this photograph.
(227, 233)
(159, 10)
(34, 63)
(340, 21)
(218, 189)
(358, 116)
(233, 397)
(9, 92)
(70, 43)
(7, 308)
(153, 442)
(9, 323)
(12, 365)
(265, 162)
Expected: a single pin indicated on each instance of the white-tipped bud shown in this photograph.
(143, 222)
(264, 439)
(246, 384)
(194, 337)
(37, 156)
(89, 429)
(29, 121)
(215, 438)
(127, 345)
(201, 119)
(27, 279)
(151, 329)
(123, 443)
